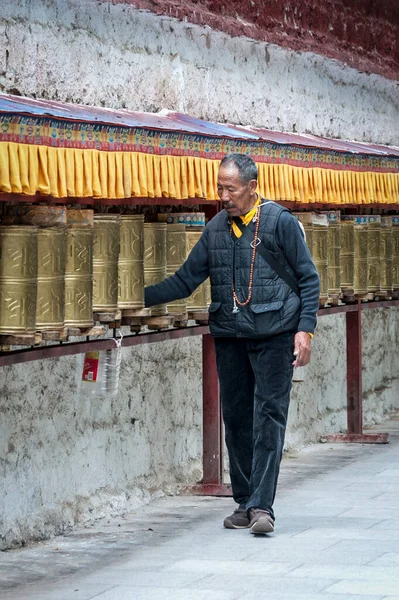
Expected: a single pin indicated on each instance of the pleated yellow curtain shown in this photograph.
(76, 173)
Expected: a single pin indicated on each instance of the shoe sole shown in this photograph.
(262, 525)
(229, 525)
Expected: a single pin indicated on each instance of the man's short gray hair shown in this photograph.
(247, 168)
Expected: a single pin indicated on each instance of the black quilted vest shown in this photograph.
(274, 307)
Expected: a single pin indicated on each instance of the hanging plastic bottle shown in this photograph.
(101, 369)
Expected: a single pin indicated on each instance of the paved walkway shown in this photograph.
(337, 537)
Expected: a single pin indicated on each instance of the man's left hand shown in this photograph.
(302, 349)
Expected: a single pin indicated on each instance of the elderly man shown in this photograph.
(265, 297)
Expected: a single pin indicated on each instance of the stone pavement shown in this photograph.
(337, 537)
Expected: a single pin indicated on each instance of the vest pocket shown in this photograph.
(267, 317)
(267, 307)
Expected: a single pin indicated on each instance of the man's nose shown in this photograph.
(224, 196)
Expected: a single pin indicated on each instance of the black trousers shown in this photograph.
(255, 382)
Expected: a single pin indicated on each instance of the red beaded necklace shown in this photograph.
(251, 270)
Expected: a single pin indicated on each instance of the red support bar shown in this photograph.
(212, 480)
(69, 348)
(211, 415)
(354, 370)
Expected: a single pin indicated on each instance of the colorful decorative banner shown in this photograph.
(64, 158)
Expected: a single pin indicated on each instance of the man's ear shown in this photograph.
(253, 184)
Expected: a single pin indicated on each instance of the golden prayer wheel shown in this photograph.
(386, 255)
(79, 276)
(131, 262)
(18, 279)
(155, 259)
(320, 251)
(347, 256)
(175, 256)
(334, 252)
(106, 244)
(198, 299)
(373, 252)
(51, 253)
(360, 240)
(395, 253)
(305, 218)
(361, 258)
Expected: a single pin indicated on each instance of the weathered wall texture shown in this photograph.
(116, 56)
(361, 33)
(318, 404)
(66, 459)
(380, 363)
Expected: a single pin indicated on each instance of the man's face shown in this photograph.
(237, 197)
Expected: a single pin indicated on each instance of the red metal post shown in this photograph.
(211, 414)
(212, 481)
(354, 370)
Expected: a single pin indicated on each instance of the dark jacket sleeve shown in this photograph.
(182, 284)
(291, 241)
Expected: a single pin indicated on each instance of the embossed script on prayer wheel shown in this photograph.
(373, 252)
(347, 256)
(320, 252)
(51, 254)
(360, 235)
(105, 262)
(175, 256)
(395, 253)
(198, 299)
(18, 279)
(361, 260)
(79, 276)
(155, 259)
(131, 262)
(334, 252)
(386, 255)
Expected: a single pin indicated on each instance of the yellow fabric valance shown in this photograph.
(79, 173)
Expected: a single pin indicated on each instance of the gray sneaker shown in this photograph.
(260, 521)
(238, 520)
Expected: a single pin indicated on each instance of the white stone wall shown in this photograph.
(67, 458)
(110, 55)
(318, 405)
(380, 363)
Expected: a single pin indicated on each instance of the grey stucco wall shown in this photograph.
(380, 363)
(318, 405)
(99, 53)
(66, 457)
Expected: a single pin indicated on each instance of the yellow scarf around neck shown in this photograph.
(246, 219)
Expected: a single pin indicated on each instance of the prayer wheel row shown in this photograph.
(354, 254)
(58, 266)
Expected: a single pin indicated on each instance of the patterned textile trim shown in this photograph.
(56, 133)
